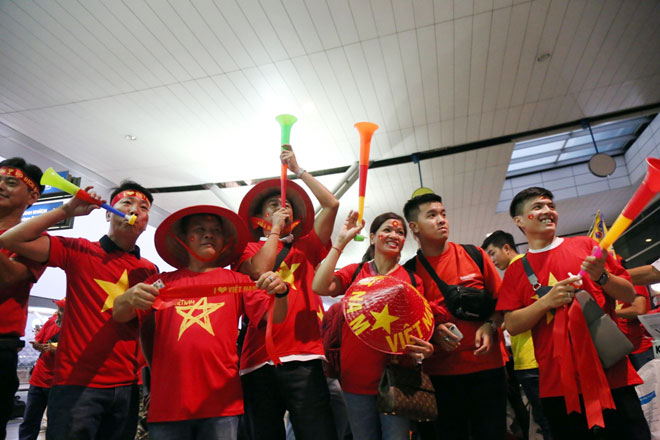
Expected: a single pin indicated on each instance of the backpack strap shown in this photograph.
(444, 287)
(475, 254)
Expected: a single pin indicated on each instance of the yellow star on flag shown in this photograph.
(113, 289)
(320, 313)
(286, 273)
(383, 319)
(202, 318)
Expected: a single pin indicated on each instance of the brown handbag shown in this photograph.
(406, 392)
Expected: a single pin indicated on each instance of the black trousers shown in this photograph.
(626, 422)
(471, 406)
(8, 386)
(37, 400)
(300, 388)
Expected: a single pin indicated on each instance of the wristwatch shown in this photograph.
(603, 278)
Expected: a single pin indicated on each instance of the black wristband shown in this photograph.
(283, 294)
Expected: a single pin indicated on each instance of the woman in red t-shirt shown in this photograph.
(361, 365)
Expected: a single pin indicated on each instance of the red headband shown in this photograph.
(20, 175)
(129, 193)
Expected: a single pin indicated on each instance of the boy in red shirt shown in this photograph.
(94, 390)
(192, 346)
(298, 385)
(468, 374)
(552, 260)
(19, 188)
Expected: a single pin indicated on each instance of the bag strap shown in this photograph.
(281, 255)
(476, 256)
(444, 287)
(533, 279)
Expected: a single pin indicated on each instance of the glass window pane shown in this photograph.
(532, 163)
(538, 149)
(586, 153)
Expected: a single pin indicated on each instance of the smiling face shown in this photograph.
(432, 223)
(538, 218)
(389, 238)
(15, 195)
(204, 235)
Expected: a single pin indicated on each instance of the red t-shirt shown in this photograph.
(553, 265)
(94, 350)
(633, 328)
(195, 363)
(300, 333)
(14, 299)
(361, 365)
(456, 267)
(42, 374)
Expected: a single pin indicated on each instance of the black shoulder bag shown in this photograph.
(467, 303)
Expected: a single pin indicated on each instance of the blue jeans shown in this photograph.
(197, 429)
(37, 400)
(471, 405)
(296, 386)
(529, 380)
(368, 424)
(77, 412)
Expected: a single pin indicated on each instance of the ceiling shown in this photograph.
(198, 83)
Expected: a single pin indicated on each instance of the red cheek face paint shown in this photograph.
(267, 215)
(381, 237)
(531, 216)
(192, 238)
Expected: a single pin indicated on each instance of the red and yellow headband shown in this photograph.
(129, 193)
(20, 175)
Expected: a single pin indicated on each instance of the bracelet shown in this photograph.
(275, 233)
(300, 173)
(493, 326)
(283, 294)
(338, 250)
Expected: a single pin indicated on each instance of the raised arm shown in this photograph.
(325, 220)
(325, 283)
(264, 260)
(26, 238)
(616, 287)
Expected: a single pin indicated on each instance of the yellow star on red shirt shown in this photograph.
(202, 318)
(383, 319)
(286, 273)
(113, 289)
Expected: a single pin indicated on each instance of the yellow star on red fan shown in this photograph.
(113, 289)
(383, 319)
(319, 313)
(286, 273)
(202, 319)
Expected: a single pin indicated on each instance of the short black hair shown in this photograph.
(530, 193)
(499, 239)
(411, 208)
(185, 221)
(32, 171)
(134, 186)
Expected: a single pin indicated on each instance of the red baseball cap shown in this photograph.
(60, 302)
(303, 209)
(383, 312)
(168, 247)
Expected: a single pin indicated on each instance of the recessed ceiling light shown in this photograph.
(543, 57)
(130, 137)
(648, 240)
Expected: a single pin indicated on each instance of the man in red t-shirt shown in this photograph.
(566, 356)
(298, 385)
(94, 389)
(19, 188)
(196, 336)
(41, 378)
(468, 374)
